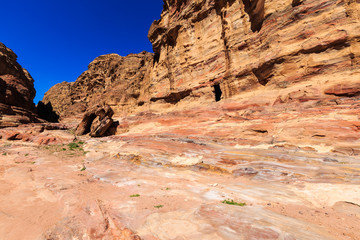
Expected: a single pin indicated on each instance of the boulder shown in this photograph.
(96, 121)
(99, 127)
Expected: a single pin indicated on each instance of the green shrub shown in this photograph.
(232, 202)
(73, 145)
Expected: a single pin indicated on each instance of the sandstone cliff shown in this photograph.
(110, 79)
(16, 91)
(255, 45)
(283, 71)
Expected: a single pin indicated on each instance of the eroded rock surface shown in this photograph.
(16, 91)
(168, 187)
(110, 79)
(97, 121)
(39, 133)
(251, 101)
(256, 72)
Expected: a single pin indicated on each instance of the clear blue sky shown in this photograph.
(56, 40)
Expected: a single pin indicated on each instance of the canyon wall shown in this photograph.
(110, 79)
(16, 91)
(240, 71)
(245, 46)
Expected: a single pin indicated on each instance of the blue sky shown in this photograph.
(56, 40)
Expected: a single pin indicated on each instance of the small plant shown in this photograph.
(232, 202)
(64, 149)
(33, 162)
(73, 146)
(26, 155)
(83, 169)
(135, 195)
(159, 206)
(167, 189)
(4, 154)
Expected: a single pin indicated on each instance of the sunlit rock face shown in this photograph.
(16, 91)
(252, 103)
(247, 72)
(250, 45)
(110, 79)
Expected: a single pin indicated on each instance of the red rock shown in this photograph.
(16, 91)
(38, 133)
(344, 89)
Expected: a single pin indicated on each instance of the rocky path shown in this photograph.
(169, 188)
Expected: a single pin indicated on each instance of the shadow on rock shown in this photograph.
(46, 112)
(98, 122)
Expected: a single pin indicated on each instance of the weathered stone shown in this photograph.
(99, 127)
(16, 91)
(85, 124)
(247, 72)
(344, 89)
(97, 121)
(35, 132)
(110, 79)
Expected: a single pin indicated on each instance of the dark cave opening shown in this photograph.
(218, 92)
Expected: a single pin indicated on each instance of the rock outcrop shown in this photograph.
(242, 72)
(39, 133)
(110, 79)
(16, 91)
(97, 121)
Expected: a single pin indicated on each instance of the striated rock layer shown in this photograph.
(269, 48)
(16, 91)
(240, 71)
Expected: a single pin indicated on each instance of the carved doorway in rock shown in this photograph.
(217, 92)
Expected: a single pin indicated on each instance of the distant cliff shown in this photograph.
(16, 91)
(110, 79)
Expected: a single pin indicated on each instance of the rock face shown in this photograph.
(110, 79)
(243, 46)
(16, 91)
(240, 71)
